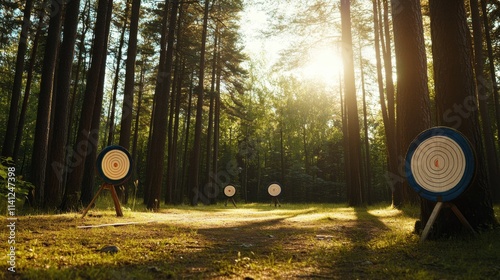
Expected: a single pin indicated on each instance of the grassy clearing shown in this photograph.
(255, 240)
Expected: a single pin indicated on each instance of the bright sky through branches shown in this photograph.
(317, 63)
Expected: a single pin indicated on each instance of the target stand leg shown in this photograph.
(434, 214)
(276, 202)
(116, 201)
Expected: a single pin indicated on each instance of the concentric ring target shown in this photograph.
(114, 165)
(229, 191)
(440, 164)
(274, 189)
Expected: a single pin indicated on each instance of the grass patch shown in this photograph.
(254, 240)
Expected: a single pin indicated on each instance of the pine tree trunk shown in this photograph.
(112, 111)
(86, 138)
(158, 138)
(8, 144)
(128, 94)
(496, 98)
(42, 129)
(89, 172)
(56, 164)
(193, 178)
(355, 186)
(483, 99)
(413, 110)
(27, 88)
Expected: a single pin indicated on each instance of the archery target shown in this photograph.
(229, 191)
(274, 189)
(114, 164)
(440, 164)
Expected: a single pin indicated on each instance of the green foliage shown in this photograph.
(11, 182)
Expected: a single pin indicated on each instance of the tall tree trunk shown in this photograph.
(159, 135)
(185, 185)
(380, 49)
(136, 125)
(111, 119)
(8, 144)
(128, 95)
(56, 164)
(496, 99)
(368, 175)
(89, 173)
(173, 172)
(215, 157)
(29, 80)
(171, 156)
(159, 90)
(86, 139)
(456, 107)
(413, 111)
(354, 152)
(208, 164)
(483, 98)
(193, 179)
(42, 129)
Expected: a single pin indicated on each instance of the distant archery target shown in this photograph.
(114, 165)
(274, 189)
(440, 164)
(229, 191)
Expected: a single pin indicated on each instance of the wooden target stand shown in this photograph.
(440, 165)
(230, 191)
(274, 191)
(435, 213)
(114, 195)
(114, 165)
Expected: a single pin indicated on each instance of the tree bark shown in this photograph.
(27, 88)
(128, 95)
(159, 135)
(484, 96)
(456, 107)
(111, 119)
(86, 140)
(355, 186)
(193, 179)
(42, 129)
(8, 144)
(56, 164)
(413, 110)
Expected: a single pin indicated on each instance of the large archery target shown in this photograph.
(114, 164)
(440, 164)
(229, 191)
(274, 189)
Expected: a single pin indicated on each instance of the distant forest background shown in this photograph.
(174, 83)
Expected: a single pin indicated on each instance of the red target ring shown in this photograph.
(114, 165)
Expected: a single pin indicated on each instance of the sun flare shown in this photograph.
(323, 64)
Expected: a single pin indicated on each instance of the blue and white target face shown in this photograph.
(440, 164)
(114, 164)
